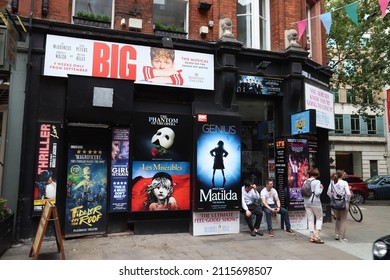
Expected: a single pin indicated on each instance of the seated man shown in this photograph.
(271, 205)
(249, 195)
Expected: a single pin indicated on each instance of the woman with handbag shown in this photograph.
(340, 195)
(313, 206)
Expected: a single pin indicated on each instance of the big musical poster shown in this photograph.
(161, 162)
(86, 190)
(218, 163)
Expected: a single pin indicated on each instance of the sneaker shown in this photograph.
(290, 231)
(337, 237)
(271, 233)
(253, 233)
(259, 232)
(344, 240)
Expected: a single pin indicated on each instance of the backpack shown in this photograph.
(306, 189)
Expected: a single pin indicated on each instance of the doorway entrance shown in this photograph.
(257, 139)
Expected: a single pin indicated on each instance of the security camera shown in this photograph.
(123, 22)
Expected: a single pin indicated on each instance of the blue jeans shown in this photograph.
(284, 215)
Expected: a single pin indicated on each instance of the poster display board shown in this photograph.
(46, 162)
(258, 85)
(218, 163)
(291, 167)
(161, 162)
(49, 213)
(84, 57)
(120, 149)
(86, 190)
(211, 223)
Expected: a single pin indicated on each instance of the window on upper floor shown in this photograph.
(335, 92)
(371, 125)
(351, 97)
(170, 15)
(253, 24)
(94, 9)
(355, 124)
(339, 123)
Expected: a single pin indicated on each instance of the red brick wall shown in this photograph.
(284, 15)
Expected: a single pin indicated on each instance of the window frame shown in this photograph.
(255, 24)
(371, 125)
(339, 124)
(186, 16)
(355, 124)
(111, 15)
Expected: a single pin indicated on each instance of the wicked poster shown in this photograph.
(119, 196)
(46, 165)
(218, 163)
(86, 190)
(298, 165)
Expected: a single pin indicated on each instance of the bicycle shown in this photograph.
(354, 211)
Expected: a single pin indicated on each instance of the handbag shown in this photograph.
(337, 203)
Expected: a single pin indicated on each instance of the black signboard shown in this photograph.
(258, 85)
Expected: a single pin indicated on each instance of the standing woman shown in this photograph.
(313, 206)
(340, 188)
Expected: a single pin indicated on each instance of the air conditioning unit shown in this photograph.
(203, 30)
(135, 23)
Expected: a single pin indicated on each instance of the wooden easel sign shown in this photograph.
(48, 211)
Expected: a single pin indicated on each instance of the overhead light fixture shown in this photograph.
(204, 6)
(262, 66)
(167, 42)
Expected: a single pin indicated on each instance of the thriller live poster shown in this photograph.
(218, 163)
(161, 165)
(86, 190)
(46, 166)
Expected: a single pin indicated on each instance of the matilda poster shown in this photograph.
(218, 163)
(86, 190)
(119, 196)
(46, 166)
(161, 165)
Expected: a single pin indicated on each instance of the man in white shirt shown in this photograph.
(271, 205)
(249, 208)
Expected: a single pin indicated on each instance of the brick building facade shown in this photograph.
(86, 83)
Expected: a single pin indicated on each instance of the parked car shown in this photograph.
(381, 248)
(379, 187)
(359, 188)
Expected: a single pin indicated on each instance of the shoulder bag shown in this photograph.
(337, 202)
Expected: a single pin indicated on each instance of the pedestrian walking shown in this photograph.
(339, 189)
(313, 206)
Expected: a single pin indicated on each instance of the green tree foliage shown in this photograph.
(359, 54)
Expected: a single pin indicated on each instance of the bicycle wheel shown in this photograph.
(355, 212)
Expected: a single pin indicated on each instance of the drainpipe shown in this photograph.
(20, 205)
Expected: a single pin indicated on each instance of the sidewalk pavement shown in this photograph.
(241, 246)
